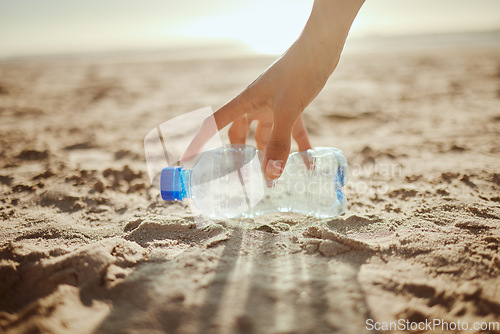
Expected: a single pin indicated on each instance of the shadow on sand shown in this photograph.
(259, 283)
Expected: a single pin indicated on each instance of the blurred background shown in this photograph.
(52, 27)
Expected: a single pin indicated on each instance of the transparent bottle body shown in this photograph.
(229, 183)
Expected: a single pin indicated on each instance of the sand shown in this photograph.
(87, 246)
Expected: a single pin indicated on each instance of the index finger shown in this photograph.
(207, 130)
(211, 125)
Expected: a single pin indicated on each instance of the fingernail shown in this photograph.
(274, 168)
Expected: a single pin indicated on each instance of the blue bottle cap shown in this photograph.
(171, 185)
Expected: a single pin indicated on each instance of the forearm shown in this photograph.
(297, 77)
(326, 30)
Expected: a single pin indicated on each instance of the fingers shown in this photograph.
(209, 127)
(278, 149)
(262, 134)
(207, 130)
(300, 135)
(238, 132)
(233, 110)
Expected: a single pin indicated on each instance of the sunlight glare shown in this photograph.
(268, 28)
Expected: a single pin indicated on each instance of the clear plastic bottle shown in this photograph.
(228, 182)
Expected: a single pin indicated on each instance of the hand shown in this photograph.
(277, 98)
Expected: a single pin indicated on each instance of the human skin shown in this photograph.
(277, 98)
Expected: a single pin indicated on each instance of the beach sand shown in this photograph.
(86, 245)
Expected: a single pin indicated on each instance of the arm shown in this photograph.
(277, 98)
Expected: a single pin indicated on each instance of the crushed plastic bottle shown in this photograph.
(228, 182)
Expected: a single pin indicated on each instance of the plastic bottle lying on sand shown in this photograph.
(228, 182)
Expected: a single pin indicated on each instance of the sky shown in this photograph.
(43, 27)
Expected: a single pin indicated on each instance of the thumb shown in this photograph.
(277, 151)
